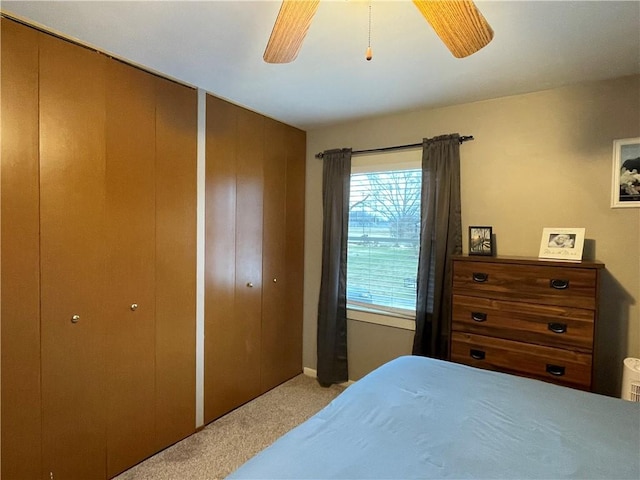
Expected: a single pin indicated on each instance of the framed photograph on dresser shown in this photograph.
(562, 243)
(480, 241)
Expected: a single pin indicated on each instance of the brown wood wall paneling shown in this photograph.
(20, 306)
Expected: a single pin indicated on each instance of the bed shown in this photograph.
(416, 417)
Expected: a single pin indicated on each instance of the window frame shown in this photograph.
(381, 162)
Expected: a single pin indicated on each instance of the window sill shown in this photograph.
(386, 319)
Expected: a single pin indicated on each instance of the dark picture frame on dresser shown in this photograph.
(525, 316)
(480, 240)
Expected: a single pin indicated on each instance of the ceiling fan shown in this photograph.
(458, 23)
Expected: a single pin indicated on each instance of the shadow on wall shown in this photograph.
(611, 336)
(589, 249)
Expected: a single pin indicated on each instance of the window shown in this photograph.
(383, 240)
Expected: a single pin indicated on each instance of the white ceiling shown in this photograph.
(218, 46)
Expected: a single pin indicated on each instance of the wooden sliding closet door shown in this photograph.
(220, 367)
(73, 254)
(233, 256)
(274, 300)
(130, 297)
(21, 431)
(249, 205)
(296, 168)
(98, 223)
(282, 253)
(176, 143)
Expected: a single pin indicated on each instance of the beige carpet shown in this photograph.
(227, 443)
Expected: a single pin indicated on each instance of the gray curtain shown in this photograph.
(332, 305)
(440, 238)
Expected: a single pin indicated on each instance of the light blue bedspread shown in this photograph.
(422, 418)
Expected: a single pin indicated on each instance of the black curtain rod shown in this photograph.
(463, 138)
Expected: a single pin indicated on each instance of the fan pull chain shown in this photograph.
(369, 55)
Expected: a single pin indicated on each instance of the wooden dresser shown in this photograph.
(525, 316)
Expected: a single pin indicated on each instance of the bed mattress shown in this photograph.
(422, 418)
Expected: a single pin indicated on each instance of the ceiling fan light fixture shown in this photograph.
(458, 23)
(369, 54)
(289, 30)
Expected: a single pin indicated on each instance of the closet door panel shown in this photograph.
(224, 366)
(285, 149)
(249, 205)
(20, 306)
(274, 307)
(296, 142)
(72, 208)
(176, 143)
(233, 257)
(130, 297)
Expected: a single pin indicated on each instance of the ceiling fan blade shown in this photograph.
(459, 24)
(289, 30)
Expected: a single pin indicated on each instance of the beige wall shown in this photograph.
(538, 160)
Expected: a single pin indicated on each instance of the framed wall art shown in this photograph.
(480, 241)
(562, 243)
(625, 183)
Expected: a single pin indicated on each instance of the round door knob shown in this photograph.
(249, 284)
(134, 307)
(75, 319)
(275, 280)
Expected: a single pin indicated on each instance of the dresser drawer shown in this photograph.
(544, 363)
(550, 325)
(566, 286)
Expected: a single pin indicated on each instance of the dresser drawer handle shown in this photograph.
(476, 354)
(478, 316)
(559, 284)
(480, 277)
(557, 327)
(555, 370)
